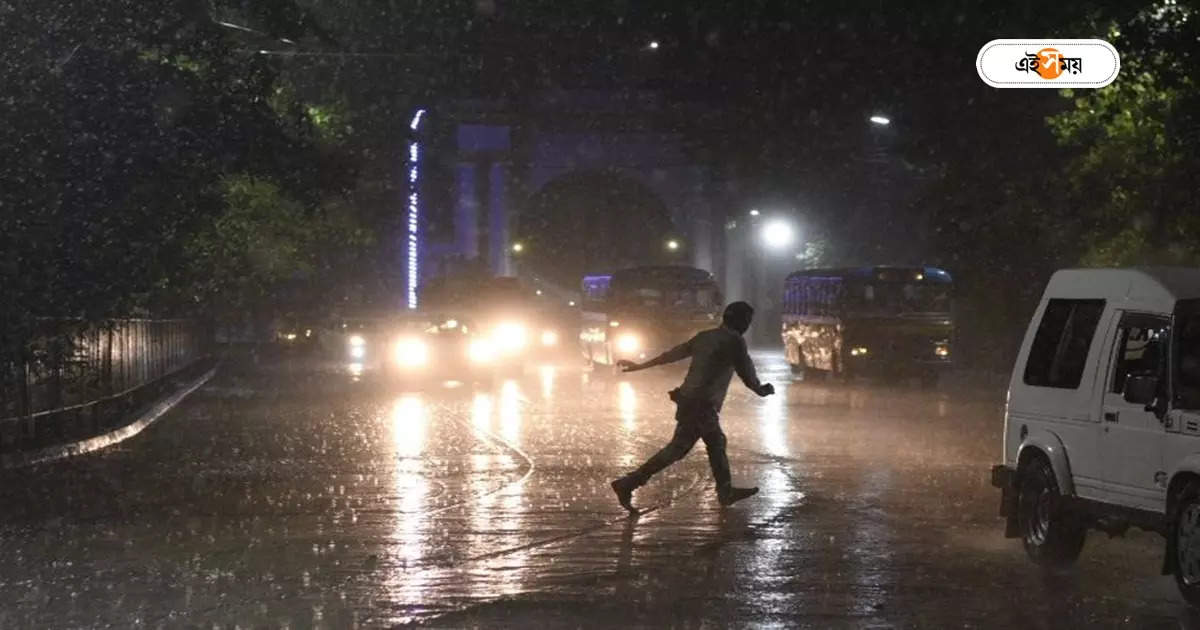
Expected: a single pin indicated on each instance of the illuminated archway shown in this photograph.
(586, 221)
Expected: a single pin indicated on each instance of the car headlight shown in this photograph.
(549, 338)
(860, 351)
(510, 337)
(481, 351)
(411, 353)
(628, 343)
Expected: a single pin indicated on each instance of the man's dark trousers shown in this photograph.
(694, 420)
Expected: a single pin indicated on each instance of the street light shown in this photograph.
(882, 121)
(777, 234)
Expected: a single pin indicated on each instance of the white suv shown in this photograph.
(1102, 427)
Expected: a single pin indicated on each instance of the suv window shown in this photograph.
(1060, 346)
(1187, 355)
(1141, 343)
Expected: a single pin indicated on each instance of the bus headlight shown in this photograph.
(358, 347)
(510, 337)
(481, 351)
(549, 338)
(411, 353)
(628, 343)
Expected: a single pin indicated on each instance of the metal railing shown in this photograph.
(71, 378)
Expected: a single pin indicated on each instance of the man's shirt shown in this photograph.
(716, 354)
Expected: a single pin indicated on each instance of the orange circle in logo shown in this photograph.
(1049, 63)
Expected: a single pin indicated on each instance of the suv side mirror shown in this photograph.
(1141, 389)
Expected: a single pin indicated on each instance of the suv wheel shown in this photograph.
(1052, 536)
(1185, 533)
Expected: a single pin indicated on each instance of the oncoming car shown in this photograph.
(422, 347)
(1102, 426)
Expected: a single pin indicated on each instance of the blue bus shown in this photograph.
(874, 321)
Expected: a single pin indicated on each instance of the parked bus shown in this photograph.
(639, 312)
(881, 321)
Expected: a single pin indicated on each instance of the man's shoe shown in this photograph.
(731, 495)
(624, 491)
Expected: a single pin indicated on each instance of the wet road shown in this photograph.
(291, 495)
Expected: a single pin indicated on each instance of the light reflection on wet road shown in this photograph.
(291, 496)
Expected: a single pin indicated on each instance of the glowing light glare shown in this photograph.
(882, 121)
(673, 245)
(653, 45)
(518, 247)
(510, 410)
(416, 120)
(628, 343)
(943, 351)
(754, 213)
(411, 353)
(859, 351)
(510, 336)
(357, 341)
(777, 234)
(414, 211)
(571, 303)
(357, 352)
(614, 323)
(356, 369)
(627, 404)
(481, 351)
(549, 338)
(548, 372)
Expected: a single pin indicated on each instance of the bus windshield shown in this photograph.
(892, 298)
(680, 299)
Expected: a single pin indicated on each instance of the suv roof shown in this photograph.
(1155, 285)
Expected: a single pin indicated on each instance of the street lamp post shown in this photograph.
(758, 243)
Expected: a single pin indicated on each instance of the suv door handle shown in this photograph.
(1112, 416)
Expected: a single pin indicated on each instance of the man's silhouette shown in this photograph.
(716, 354)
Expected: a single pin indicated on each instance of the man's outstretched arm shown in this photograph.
(678, 353)
(744, 366)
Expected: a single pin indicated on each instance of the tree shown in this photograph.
(124, 121)
(1135, 144)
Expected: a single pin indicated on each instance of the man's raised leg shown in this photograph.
(674, 451)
